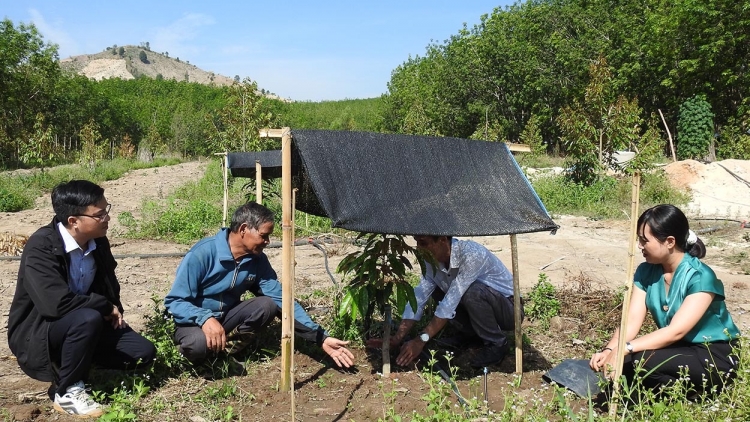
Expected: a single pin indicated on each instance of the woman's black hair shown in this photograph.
(667, 220)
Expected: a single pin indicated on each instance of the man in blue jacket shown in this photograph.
(205, 299)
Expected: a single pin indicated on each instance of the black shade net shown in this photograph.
(242, 164)
(403, 184)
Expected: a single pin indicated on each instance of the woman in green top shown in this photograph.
(696, 334)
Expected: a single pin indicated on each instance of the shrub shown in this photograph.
(735, 139)
(12, 200)
(695, 128)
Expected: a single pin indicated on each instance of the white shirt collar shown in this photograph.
(71, 244)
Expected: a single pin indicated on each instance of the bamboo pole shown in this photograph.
(294, 267)
(287, 261)
(620, 350)
(258, 183)
(517, 304)
(225, 169)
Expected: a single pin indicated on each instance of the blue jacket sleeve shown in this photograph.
(180, 300)
(303, 324)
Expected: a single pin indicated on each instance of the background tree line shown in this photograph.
(529, 62)
(576, 76)
(50, 116)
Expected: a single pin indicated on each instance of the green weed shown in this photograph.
(541, 303)
(192, 212)
(608, 197)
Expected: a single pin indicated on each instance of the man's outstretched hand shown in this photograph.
(336, 349)
(408, 353)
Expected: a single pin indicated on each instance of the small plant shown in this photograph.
(542, 304)
(160, 330)
(378, 270)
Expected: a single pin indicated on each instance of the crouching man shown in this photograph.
(205, 299)
(66, 313)
(474, 293)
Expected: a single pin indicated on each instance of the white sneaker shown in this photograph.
(76, 401)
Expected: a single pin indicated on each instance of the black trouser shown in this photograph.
(707, 365)
(483, 312)
(82, 337)
(247, 316)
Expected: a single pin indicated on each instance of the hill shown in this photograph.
(125, 62)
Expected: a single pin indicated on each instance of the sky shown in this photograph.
(303, 50)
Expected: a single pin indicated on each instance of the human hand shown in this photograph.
(116, 318)
(336, 350)
(409, 352)
(216, 339)
(604, 361)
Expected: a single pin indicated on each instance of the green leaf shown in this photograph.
(348, 305)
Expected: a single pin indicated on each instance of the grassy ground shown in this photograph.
(174, 390)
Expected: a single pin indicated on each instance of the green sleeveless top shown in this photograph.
(691, 276)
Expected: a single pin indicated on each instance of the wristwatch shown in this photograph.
(629, 347)
(424, 337)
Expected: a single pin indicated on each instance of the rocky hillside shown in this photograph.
(129, 62)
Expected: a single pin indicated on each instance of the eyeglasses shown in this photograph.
(100, 217)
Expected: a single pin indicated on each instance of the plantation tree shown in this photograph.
(28, 73)
(38, 149)
(595, 130)
(236, 126)
(379, 271)
(409, 93)
(735, 139)
(91, 147)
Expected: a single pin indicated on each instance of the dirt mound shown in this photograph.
(719, 189)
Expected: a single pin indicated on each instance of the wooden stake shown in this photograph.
(258, 184)
(294, 268)
(225, 169)
(517, 304)
(620, 350)
(669, 134)
(287, 261)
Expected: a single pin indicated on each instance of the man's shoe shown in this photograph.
(233, 367)
(488, 355)
(237, 341)
(76, 401)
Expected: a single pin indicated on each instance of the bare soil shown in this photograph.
(582, 249)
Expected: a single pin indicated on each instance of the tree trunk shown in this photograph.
(387, 342)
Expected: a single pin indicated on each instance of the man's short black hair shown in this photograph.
(252, 214)
(73, 197)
